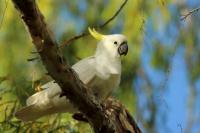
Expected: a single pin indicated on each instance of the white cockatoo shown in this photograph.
(100, 72)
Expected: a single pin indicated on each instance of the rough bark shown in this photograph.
(57, 67)
(117, 113)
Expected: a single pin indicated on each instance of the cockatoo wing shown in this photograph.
(49, 101)
(85, 69)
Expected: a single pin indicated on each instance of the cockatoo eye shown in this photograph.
(115, 42)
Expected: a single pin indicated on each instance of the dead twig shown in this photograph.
(184, 17)
(65, 43)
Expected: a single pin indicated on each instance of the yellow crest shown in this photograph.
(95, 34)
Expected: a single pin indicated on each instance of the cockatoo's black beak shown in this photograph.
(123, 48)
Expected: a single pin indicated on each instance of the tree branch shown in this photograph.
(117, 113)
(184, 17)
(61, 72)
(96, 27)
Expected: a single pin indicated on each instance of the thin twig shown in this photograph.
(4, 12)
(33, 59)
(65, 43)
(180, 126)
(184, 17)
(113, 17)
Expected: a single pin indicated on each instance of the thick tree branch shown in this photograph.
(60, 71)
(117, 113)
(65, 43)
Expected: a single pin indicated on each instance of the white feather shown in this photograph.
(100, 72)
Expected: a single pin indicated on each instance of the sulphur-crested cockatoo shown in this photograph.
(100, 72)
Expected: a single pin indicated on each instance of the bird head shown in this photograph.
(113, 45)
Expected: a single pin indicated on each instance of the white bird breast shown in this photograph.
(102, 88)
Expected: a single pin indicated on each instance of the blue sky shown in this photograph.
(176, 93)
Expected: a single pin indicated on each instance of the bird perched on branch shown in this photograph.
(100, 72)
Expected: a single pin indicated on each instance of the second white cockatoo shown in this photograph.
(100, 72)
